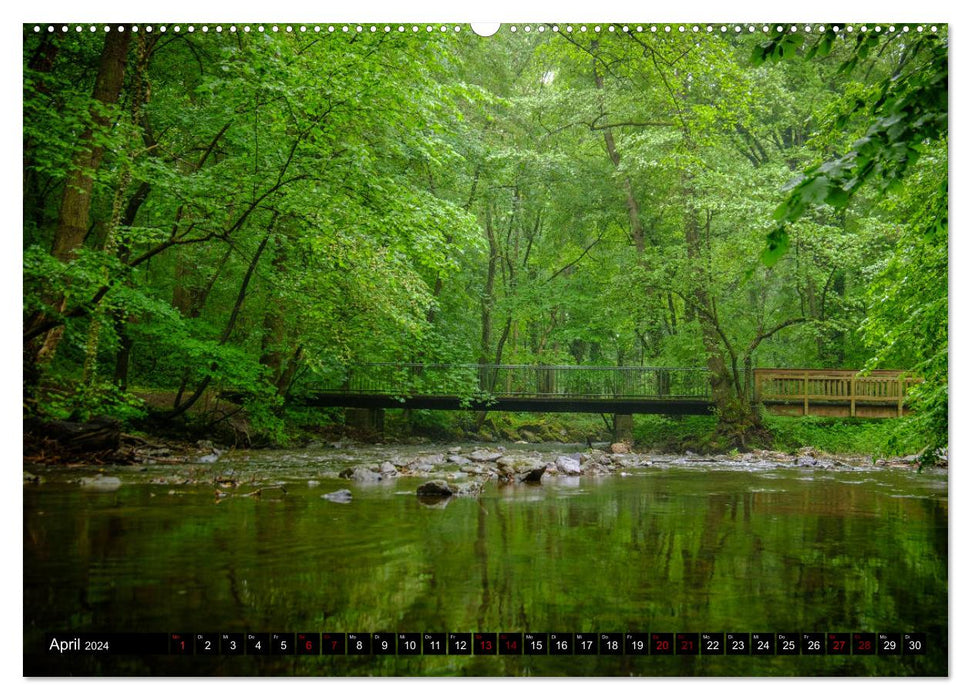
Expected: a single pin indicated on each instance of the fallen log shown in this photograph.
(97, 435)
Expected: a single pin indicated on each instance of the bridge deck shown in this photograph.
(618, 390)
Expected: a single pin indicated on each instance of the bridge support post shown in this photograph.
(623, 427)
(368, 419)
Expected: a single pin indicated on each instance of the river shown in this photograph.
(676, 545)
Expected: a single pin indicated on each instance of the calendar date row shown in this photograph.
(495, 643)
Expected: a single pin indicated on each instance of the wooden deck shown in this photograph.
(823, 392)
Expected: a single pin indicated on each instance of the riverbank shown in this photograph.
(108, 441)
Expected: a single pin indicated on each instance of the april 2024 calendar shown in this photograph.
(397, 332)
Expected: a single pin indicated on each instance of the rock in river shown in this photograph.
(342, 496)
(435, 489)
(534, 476)
(101, 483)
(484, 456)
(568, 465)
(360, 474)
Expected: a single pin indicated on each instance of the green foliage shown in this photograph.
(907, 109)
(89, 401)
(878, 438)
(676, 433)
(293, 205)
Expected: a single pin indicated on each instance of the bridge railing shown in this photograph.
(878, 387)
(576, 381)
(884, 388)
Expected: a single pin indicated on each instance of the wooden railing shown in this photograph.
(885, 388)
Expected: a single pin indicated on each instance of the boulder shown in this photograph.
(388, 469)
(519, 464)
(484, 456)
(459, 459)
(360, 474)
(534, 476)
(101, 483)
(469, 488)
(568, 465)
(342, 496)
(435, 489)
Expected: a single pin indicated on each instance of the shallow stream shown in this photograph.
(677, 545)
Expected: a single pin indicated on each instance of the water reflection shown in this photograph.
(677, 549)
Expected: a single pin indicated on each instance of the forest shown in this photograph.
(233, 211)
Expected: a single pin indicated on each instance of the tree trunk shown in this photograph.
(273, 344)
(633, 212)
(179, 409)
(738, 420)
(75, 209)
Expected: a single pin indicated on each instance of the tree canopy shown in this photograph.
(243, 211)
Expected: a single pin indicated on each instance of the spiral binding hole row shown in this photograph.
(513, 28)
